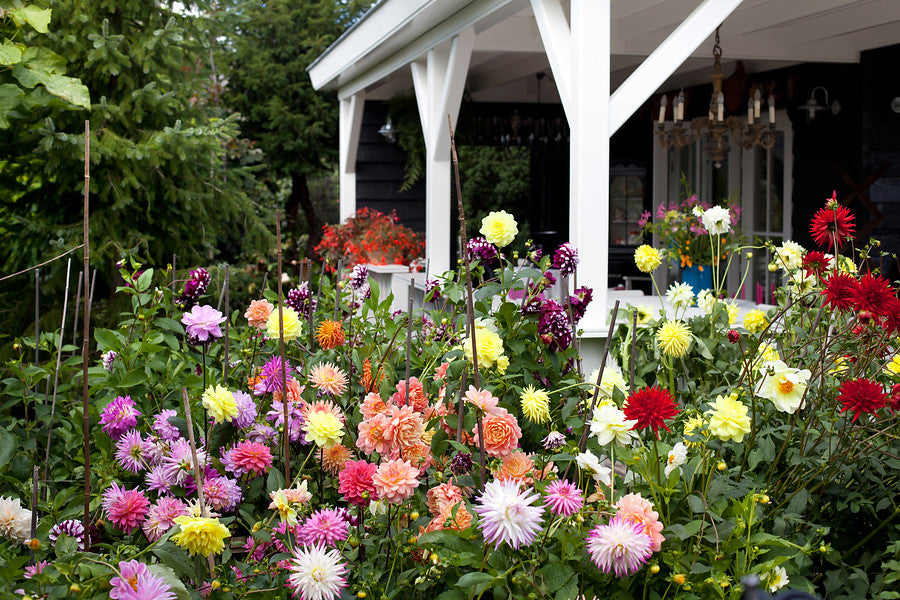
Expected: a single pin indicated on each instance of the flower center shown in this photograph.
(785, 386)
(317, 574)
(132, 581)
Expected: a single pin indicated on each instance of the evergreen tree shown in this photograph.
(295, 126)
(158, 144)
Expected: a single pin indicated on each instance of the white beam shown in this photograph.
(556, 36)
(350, 122)
(589, 153)
(451, 96)
(670, 54)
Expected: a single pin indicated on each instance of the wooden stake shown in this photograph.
(34, 505)
(337, 289)
(62, 328)
(309, 304)
(85, 339)
(37, 318)
(227, 322)
(409, 324)
(470, 302)
(198, 472)
(75, 314)
(285, 435)
(634, 316)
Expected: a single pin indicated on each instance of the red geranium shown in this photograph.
(833, 224)
(650, 407)
(839, 291)
(861, 396)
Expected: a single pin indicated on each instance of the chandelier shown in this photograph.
(678, 133)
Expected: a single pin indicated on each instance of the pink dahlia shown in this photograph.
(355, 482)
(251, 457)
(621, 546)
(119, 416)
(163, 427)
(508, 515)
(161, 517)
(326, 526)
(132, 451)
(563, 498)
(404, 427)
(136, 582)
(125, 509)
(396, 480)
(640, 510)
(417, 399)
(202, 323)
(445, 494)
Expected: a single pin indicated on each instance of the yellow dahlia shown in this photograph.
(535, 404)
(647, 258)
(323, 428)
(673, 338)
(728, 419)
(490, 347)
(499, 228)
(755, 321)
(220, 403)
(291, 321)
(201, 535)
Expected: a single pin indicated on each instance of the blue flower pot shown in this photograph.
(697, 279)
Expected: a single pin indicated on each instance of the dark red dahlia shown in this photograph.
(873, 294)
(892, 317)
(861, 396)
(816, 263)
(734, 336)
(839, 291)
(895, 397)
(565, 259)
(650, 407)
(833, 224)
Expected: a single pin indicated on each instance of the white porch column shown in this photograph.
(350, 121)
(589, 153)
(439, 85)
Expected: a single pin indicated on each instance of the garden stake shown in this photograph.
(459, 406)
(86, 418)
(309, 308)
(587, 414)
(62, 328)
(564, 300)
(337, 288)
(198, 475)
(34, 512)
(285, 434)
(409, 324)
(75, 314)
(37, 317)
(470, 304)
(227, 319)
(633, 342)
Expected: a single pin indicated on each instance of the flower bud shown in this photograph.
(678, 579)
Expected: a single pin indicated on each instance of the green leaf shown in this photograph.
(8, 445)
(556, 576)
(146, 277)
(473, 579)
(134, 377)
(275, 480)
(9, 54)
(39, 18)
(107, 339)
(181, 592)
(10, 96)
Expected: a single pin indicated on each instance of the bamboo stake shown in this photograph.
(285, 435)
(470, 303)
(75, 314)
(634, 316)
(309, 304)
(62, 328)
(459, 406)
(34, 504)
(409, 324)
(198, 473)
(227, 322)
(85, 339)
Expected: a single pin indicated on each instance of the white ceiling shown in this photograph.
(508, 53)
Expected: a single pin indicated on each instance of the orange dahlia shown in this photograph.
(330, 334)
(368, 382)
(334, 458)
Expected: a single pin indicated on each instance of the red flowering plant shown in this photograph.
(372, 237)
(796, 402)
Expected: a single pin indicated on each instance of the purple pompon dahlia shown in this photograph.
(480, 250)
(508, 515)
(69, 528)
(301, 300)
(579, 302)
(565, 259)
(359, 277)
(461, 463)
(553, 326)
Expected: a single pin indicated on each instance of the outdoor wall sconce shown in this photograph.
(389, 131)
(813, 106)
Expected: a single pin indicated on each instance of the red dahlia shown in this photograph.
(650, 407)
(816, 263)
(892, 317)
(895, 397)
(861, 396)
(833, 224)
(839, 291)
(873, 294)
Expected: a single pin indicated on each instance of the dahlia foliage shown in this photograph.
(373, 460)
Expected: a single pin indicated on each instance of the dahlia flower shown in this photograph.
(508, 515)
(620, 546)
(317, 573)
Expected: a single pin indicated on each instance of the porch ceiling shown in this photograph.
(508, 52)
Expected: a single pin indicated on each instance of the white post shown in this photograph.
(589, 153)
(439, 85)
(350, 122)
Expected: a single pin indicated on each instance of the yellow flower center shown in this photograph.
(132, 581)
(317, 574)
(785, 386)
